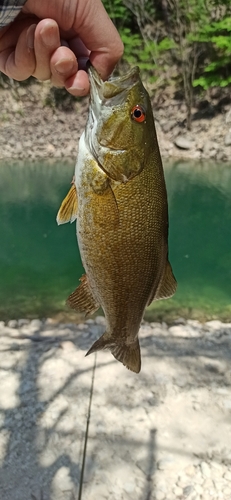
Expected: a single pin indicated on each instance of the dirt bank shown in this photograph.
(37, 122)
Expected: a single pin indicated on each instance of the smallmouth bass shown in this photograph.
(119, 199)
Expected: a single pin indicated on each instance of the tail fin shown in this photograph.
(128, 354)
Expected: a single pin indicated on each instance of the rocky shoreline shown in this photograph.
(163, 434)
(37, 121)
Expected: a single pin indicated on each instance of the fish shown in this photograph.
(119, 201)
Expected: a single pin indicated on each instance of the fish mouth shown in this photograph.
(110, 93)
(115, 89)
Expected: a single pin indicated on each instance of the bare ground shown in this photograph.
(161, 435)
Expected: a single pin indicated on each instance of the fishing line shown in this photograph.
(86, 432)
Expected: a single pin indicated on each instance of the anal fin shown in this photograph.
(82, 299)
(69, 207)
(167, 286)
(128, 354)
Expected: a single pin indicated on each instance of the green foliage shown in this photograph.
(138, 49)
(117, 11)
(217, 39)
(144, 53)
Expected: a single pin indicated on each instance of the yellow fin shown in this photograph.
(129, 354)
(167, 286)
(82, 299)
(69, 207)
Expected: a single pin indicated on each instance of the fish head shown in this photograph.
(120, 128)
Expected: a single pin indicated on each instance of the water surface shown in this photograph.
(40, 263)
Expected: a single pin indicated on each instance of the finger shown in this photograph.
(99, 35)
(63, 65)
(47, 40)
(78, 85)
(19, 62)
(88, 19)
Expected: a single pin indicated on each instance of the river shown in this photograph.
(40, 263)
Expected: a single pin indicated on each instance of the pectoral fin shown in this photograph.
(69, 207)
(167, 286)
(128, 354)
(82, 299)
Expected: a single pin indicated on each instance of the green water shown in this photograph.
(40, 263)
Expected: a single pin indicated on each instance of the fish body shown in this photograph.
(120, 201)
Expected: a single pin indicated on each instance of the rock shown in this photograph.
(199, 489)
(227, 491)
(227, 404)
(62, 480)
(50, 148)
(190, 471)
(228, 116)
(22, 322)
(209, 147)
(100, 320)
(180, 321)
(13, 323)
(178, 331)
(188, 490)
(183, 143)
(205, 469)
(36, 324)
(67, 345)
(129, 487)
(227, 475)
(228, 138)
(178, 491)
(220, 155)
(168, 125)
(159, 495)
(214, 325)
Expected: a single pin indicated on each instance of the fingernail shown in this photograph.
(50, 36)
(30, 36)
(78, 90)
(64, 66)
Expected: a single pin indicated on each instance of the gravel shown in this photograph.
(161, 435)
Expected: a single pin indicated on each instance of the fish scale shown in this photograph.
(121, 208)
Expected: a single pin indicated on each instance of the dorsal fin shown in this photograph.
(69, 207)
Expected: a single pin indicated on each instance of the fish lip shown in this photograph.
(112, 87)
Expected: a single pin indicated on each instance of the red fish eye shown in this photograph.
(138, 114)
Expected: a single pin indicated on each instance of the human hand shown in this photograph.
(53, 40)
